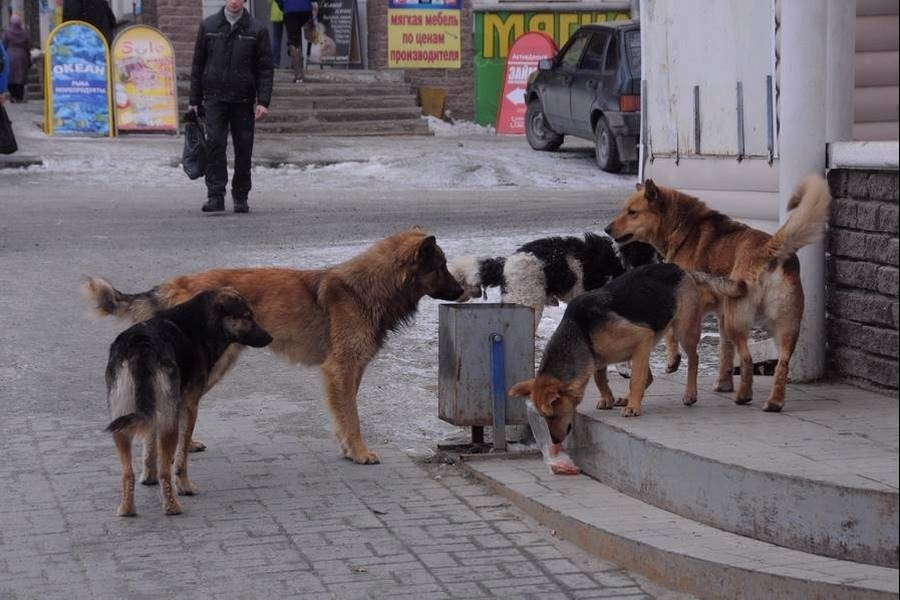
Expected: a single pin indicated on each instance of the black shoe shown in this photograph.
(240, 205)
(214, 204)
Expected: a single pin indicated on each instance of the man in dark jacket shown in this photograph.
(231, 76)
(96, 12)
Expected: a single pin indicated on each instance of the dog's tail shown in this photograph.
(720, 287)
(810, 205)
(141, 391)
(108, 301)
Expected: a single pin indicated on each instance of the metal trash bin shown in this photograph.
(483, 349)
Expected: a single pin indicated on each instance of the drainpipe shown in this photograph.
(816, 78)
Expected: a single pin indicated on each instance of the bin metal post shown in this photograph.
(498, 391)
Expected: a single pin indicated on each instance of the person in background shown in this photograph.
(296, 14)
(277, 19)
(96, 12)
(17, 43)
(231, 76)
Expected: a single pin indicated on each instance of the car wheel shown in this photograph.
(605, 148)
(537, 131)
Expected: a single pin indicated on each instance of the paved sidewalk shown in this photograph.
(279, 515)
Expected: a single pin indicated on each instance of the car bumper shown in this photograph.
(624, 123)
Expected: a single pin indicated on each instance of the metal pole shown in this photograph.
(804, 113)
(498, 391)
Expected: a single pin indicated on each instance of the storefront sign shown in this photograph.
(333, 33)
(495, 33)
(523, 58)
(424, 35)
(77, 76)
(144, 81)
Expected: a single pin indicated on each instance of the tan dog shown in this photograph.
(688, 233)
(623, 320)
(337, 318)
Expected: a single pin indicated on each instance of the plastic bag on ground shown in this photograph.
(555, 457)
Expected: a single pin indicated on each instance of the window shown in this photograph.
(593, 55)
(612, 57)
(570, 59)
(633, 50)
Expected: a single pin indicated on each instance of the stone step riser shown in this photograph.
(346, 116)
(804, 514)
(399, 127)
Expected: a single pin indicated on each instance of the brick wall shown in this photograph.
(863, 283)
(458, 84)
(178, 20)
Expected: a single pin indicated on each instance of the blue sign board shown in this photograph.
(78, 99)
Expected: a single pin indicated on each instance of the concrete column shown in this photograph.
(813, 106)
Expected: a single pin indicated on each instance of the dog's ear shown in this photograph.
(427, 249)
(651, 192)
(523, 388)
(639, 186)
(228, 302)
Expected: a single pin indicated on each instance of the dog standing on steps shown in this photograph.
(688, 233)
(623, 320)
(156, 373)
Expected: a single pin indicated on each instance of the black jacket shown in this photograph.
(96, 12)
(232, 64)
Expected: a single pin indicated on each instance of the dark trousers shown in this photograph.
(220, 118)
(17, 91)
(293, 24)
(277, 31)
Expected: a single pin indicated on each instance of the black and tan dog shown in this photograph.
(156, 373)
(623, 320)
(337, 318)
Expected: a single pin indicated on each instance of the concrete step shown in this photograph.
(417, 126)
(332, 102)
(820, 477)
(315, 74)
(336, 115)
(677, 552)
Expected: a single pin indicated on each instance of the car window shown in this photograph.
(570, 59)
(593, 54)
(633, 50)
(611, 64)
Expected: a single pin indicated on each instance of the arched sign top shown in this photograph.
(143, 79)
(523, 58)
(76, 66)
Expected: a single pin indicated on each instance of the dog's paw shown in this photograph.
(689, 399)
(364, 457)
(630, 411)
(606, 403)
(126, 510)
(149, 478)
(196, 446)
(172, 508)
(724, 386)
(673, 363)
(186, 488)
(741, 400)
(772, 407)
(624, 370)
(620, 402)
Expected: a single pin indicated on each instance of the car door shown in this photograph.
(555, 96)
(585, 83)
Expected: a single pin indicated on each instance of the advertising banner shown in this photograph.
(77, 75)
(496, 31)
(424, 35)
(332, 33)
(523, 58)
(144, 81)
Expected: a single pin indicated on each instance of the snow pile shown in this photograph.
(457, 128)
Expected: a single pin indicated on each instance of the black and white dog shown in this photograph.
(548, 270)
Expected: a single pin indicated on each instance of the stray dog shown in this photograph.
(157, 371)
(337, 318)
(623, 320)
(688, 233)
(546, 271)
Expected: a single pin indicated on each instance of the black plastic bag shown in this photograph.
(193, 158)
(7, 137)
